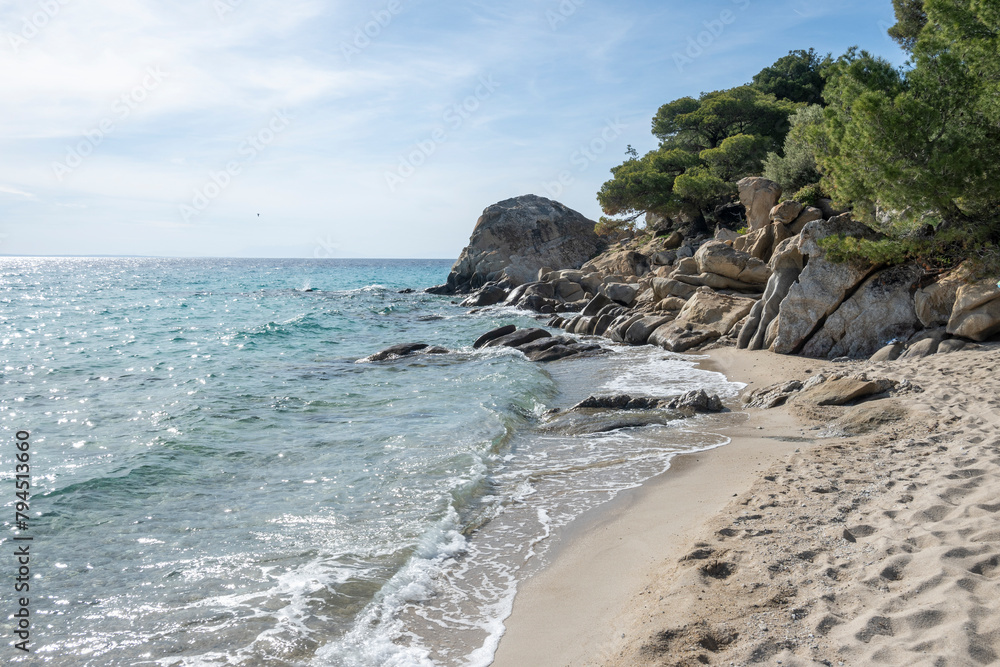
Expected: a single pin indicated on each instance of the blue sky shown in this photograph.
(371, 128)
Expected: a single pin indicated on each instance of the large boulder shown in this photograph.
(759, 196)
(658, 224)
(490, 295)
(935, 302)
(665, 288)
(808, 214)
(639, 332)
(596, 304)
(722, 259)
(515, 238)
(619, 263)
(786, 212)
(622, 293)
(518, 338)
(841, 391)
(879, 311)
(493, 335)
(616, 330)
(976, 313)
(821, 287)
(681, 336)
(710, 310)
(786, 265)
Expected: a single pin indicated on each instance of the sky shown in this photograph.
(370, 128)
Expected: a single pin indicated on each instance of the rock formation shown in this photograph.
(759, 196)
(515, 238)
(771, 288)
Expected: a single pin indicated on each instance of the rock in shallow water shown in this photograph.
(693, 401)
(493, 335)
(396, 351)
(518, 338)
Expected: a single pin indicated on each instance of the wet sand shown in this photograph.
(792, 543)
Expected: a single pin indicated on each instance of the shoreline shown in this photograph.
(872, 540)
(574, 608)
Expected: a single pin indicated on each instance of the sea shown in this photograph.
(218, 477)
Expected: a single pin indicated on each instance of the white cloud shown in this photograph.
(14, 191)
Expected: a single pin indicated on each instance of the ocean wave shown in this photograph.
(303, 324)
(375, 638)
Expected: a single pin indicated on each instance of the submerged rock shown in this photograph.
(396, 351)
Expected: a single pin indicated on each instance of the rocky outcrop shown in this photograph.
(976, 313)
(721, 259)
(880, 310)
(786, 265)
(821, 287)
(822, 389)
(646, 290)
(759, 196)
(515, 238)
(711, 310)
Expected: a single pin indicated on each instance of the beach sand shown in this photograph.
(792, 544)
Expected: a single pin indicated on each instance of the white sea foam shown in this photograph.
(449, 604)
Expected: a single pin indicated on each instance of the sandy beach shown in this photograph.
(818, 536)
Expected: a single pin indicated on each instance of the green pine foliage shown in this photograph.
(706, 145)
(797, 77)
(796, 167)
(910, 20)
(915, 150)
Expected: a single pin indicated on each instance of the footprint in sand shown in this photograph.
(894, 570)
(986, 568)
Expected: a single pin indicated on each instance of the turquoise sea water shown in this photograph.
(218, 481)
